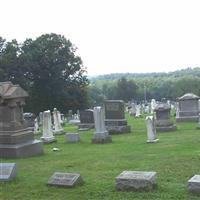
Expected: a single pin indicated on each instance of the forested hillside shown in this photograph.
(135, 86)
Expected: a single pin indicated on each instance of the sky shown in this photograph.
(113, 36)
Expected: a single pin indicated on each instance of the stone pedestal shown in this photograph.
(194, 184)
(72, 137)
(136, 181)
(101, 134)
(115, 117)
(16, 140)
(47, 133)
(58, 130)
(151, 130)
(188, 108)
(163, 121)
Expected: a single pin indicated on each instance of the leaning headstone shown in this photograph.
(86, 120)
(72, 137)
(194, 184)
(151, 130)
(57, 122)
(115, 117)
(188, 108)
(16, 139)
(136, 181)
(47, 133)
(65, 179)
(163, 120)
(101, 134)
(8, 171)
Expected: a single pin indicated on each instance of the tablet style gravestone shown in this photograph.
(57, 122)
(86, 119)
(65, 179)
(188, 108)
(136, 181)
(101, 134)
(72, 137)
(8, 171)
(163, 121)
(115, 117)
(151, 130)
(194, 184)
(16, 139)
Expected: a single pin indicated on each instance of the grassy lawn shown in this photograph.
(176, 158)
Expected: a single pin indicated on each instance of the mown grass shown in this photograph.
(175, 158)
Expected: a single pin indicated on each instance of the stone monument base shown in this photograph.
(166, 128)
(187, 119)
(101, 140)
(85, 126)
(152, 141)
(30, 148)
(48, 140)
(117, 126)
(194, 184)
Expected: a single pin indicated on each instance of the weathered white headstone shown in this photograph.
(65, 179)
(153, 105)
(138, 111)
(151, 129)
(47, 133)
(133, 109)
(57, 122)
(101, 135)
(136, 181)
(36, 126)
(8, 171)
(194, 184)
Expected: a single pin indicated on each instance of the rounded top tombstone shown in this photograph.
(162, 107)
(188, 96)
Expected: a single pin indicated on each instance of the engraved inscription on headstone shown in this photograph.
(8, 171)
(65, 179)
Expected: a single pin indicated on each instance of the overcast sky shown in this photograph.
(113, 35)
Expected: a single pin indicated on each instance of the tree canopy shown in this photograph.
(49, 69)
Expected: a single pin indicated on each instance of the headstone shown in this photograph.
(29, 119)
(115, 117)
(72, 137)
(138, 111)
(136, 181)
(60, 117)
(86, 119)
(47, 133)
(163, 119)
(16, 139)
(57, 123)
(133, 109)
(69, 115)
(8, 171)
(65, 179)
(101, 134)
(36, 126)
(40, 118)
(194, 184)
(151, 129)
(188, 108)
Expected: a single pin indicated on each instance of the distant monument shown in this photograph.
(188, 107)
(86, 119)
(16, 139)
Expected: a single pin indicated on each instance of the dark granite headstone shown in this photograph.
(163, 121)
(8, 171)
(16, 139)
(115, 117)
(86, 119)
(65, 179)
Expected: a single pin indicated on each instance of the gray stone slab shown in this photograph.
(136, 181)
(194, 184)
(65, 179)
(8, 171)
(72, 137)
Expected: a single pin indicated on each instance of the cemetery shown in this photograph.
(92, 164)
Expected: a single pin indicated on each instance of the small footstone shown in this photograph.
(8, 171)
(194, 184)
(72, 137)
(136, 181)
(65, 179)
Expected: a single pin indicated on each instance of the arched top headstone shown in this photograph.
(188, 96)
